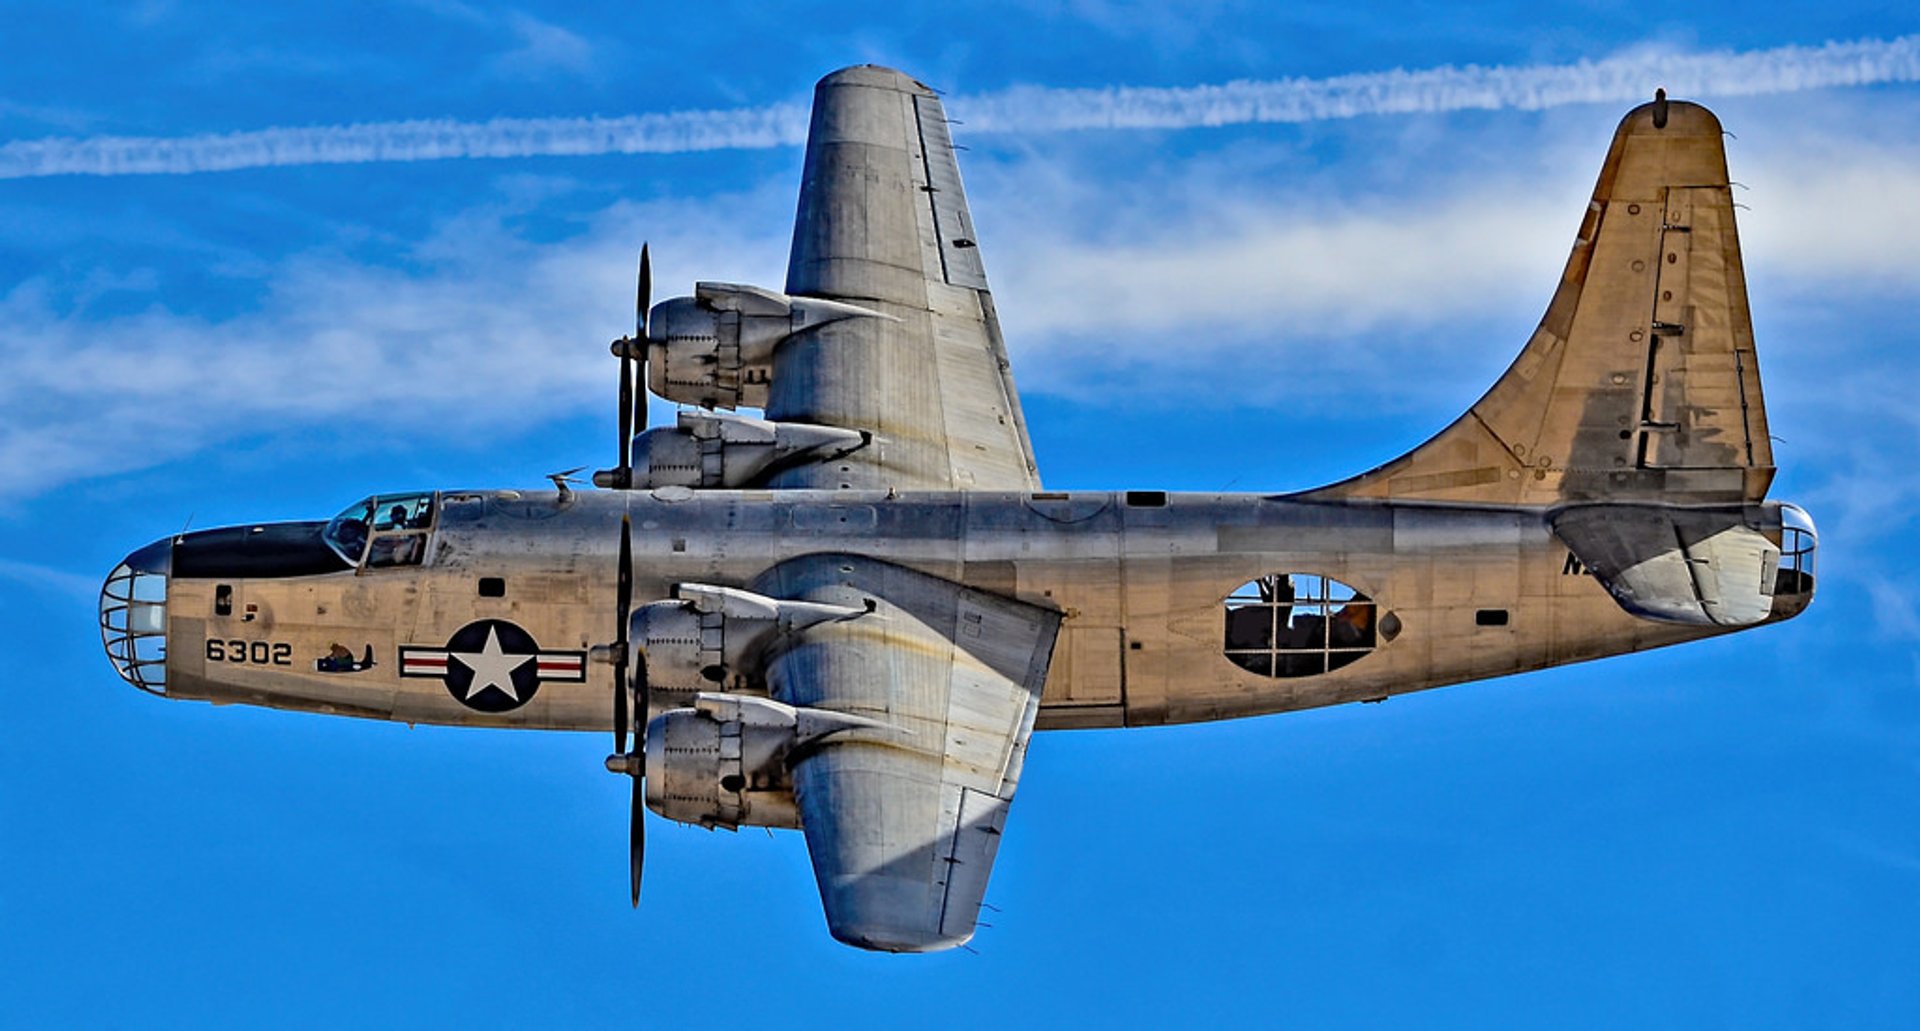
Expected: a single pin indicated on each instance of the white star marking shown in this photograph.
(491, 667)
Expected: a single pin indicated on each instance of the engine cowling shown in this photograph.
(709, 635)
(708, 450)
(715, 349)
(681, 647)
(723, 762)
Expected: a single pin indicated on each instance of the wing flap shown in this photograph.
(953, 227)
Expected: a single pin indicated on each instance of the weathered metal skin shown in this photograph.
(1641, 381)
(863, 648)
(1139, 580)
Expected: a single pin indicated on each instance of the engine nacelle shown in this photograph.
(696, 642)
(723, 762)
(715, 349)
(681, 648)
(709, 450)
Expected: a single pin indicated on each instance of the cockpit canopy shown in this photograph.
(396, 524)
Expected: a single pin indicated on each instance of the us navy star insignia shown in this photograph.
(492, 665)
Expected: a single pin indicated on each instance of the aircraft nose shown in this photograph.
(133, 616)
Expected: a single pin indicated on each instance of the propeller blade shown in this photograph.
(620, 701)
(643, 301)
(623, 601)
(623, 469)
(636, 842)
(642, 705)
(633, 412)
(637, 769)
(642, 304)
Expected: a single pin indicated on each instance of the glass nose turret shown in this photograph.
(133, 616)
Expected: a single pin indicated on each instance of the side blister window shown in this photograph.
(1297, 625)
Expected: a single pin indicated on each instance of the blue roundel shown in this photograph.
(492, 665)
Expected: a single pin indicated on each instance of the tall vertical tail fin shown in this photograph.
(1641, 382)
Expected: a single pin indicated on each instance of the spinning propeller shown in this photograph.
(631, 350)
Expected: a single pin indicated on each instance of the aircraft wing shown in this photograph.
(903, 818)
(883, 225)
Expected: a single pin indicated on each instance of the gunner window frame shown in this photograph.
(1290, 625)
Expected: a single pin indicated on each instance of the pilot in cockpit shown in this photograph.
(351, 534)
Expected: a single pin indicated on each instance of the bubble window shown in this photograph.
(1297, 625)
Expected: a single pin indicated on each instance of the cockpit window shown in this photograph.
(396, 523)
(406, 512)
(347, 533)
(397, 549)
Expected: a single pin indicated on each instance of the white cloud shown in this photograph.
(74, 586)
(544, 46)
(1185, 272)
(1107, 287)
(1826, 210)
(486, 334)
(1893, 605)
(539, 46)
(1314, 270)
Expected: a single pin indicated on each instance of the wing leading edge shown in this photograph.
(883, 224)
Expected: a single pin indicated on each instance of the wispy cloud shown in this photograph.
(1893, 604)
(1115, 295)
(47, 578)
(1622, 77)
(1319, 270)
(481, 334)
(1829, 208)
(542, 45)
(1158, 291)
(539, 46)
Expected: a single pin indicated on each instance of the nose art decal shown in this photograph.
(339, 659)
(492, 665)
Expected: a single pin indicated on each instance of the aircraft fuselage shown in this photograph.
(1449, 594)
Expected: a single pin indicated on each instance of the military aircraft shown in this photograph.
(848, 614)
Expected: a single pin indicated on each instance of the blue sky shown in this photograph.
(1724, 834)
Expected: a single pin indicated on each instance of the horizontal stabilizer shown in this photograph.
(1698, 567)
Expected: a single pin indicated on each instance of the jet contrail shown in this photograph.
(420, 140)
(1620, 78)
(1625, 77)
